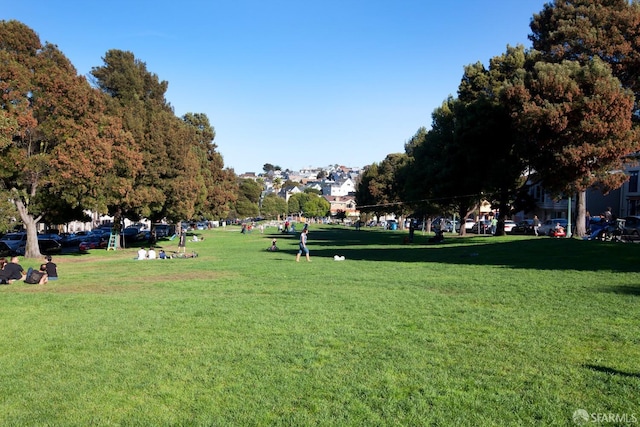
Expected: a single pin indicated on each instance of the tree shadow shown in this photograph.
(624, 289)
(540, 253)
(611, 371)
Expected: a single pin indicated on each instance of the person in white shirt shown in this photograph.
(142, 254)
(152, 253)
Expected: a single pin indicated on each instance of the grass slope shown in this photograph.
(475, 331)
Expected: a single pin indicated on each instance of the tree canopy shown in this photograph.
(116, 148)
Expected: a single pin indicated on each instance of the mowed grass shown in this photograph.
(475, 331)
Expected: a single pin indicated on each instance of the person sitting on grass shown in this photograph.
(273, 246)
(13, 270)
(36, 277)
(50, 268)
(152, 253)
(142, 254)
(3, 274)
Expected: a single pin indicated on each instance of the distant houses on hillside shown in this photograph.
(337, 185)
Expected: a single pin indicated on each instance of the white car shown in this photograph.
(468, 224)
(508, 225)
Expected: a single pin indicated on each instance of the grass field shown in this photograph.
(477, 331)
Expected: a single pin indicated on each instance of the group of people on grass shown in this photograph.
(11, 271)
(151, 254)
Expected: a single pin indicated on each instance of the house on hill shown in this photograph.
(341, 187)
(342, 203)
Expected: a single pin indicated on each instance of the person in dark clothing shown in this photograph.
(182, 242)
(50, 268)
(13, 270)
(3, 274)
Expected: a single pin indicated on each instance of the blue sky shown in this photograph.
(292, 83)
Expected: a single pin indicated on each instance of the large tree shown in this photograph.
(447, 166)
(381, 186)
(365, 189)
(246, 204)
(580, 30)
(308, 204)
(56, 140)
(273, 206)
(180, 175)
(576, 122)
(137, 98)
(484, 117)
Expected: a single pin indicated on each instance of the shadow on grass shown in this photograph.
(612, 371)
(624, 289)
(540, 253)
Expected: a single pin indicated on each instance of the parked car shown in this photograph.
(134, 233)
(47, 247)
(164, 230)
(508, 225)
(631, 226)
(5, 250)
(73, 239)
(482, 227)
(468, 224)
(547, 228)
(449, 225)
(93, 242)
(523, 227)
(15, 241)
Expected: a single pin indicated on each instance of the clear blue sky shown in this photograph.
(294, 83)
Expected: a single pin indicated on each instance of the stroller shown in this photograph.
(607, 231)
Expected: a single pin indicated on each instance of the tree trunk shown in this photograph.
(31, 250)
(581, 214)
(117, 228)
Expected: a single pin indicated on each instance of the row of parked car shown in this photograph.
(546, 228)
(98, 238)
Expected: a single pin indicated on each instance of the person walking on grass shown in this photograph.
(303, 246)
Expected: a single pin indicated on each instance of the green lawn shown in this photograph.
(475, 331)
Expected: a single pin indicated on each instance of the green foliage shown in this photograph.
(475, 331)
(55, 136)
(382, 186)
(273, 206)
(308, 204)
(246, 204)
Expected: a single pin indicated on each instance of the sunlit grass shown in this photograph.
(475, 331)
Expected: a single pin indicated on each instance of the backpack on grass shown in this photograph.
(34, 277)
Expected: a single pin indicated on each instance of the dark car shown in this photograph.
(134, 234)
(164, 230)
(523, 227)
(47, 246)
(631, 226)
(15, 240)
(5, 250)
